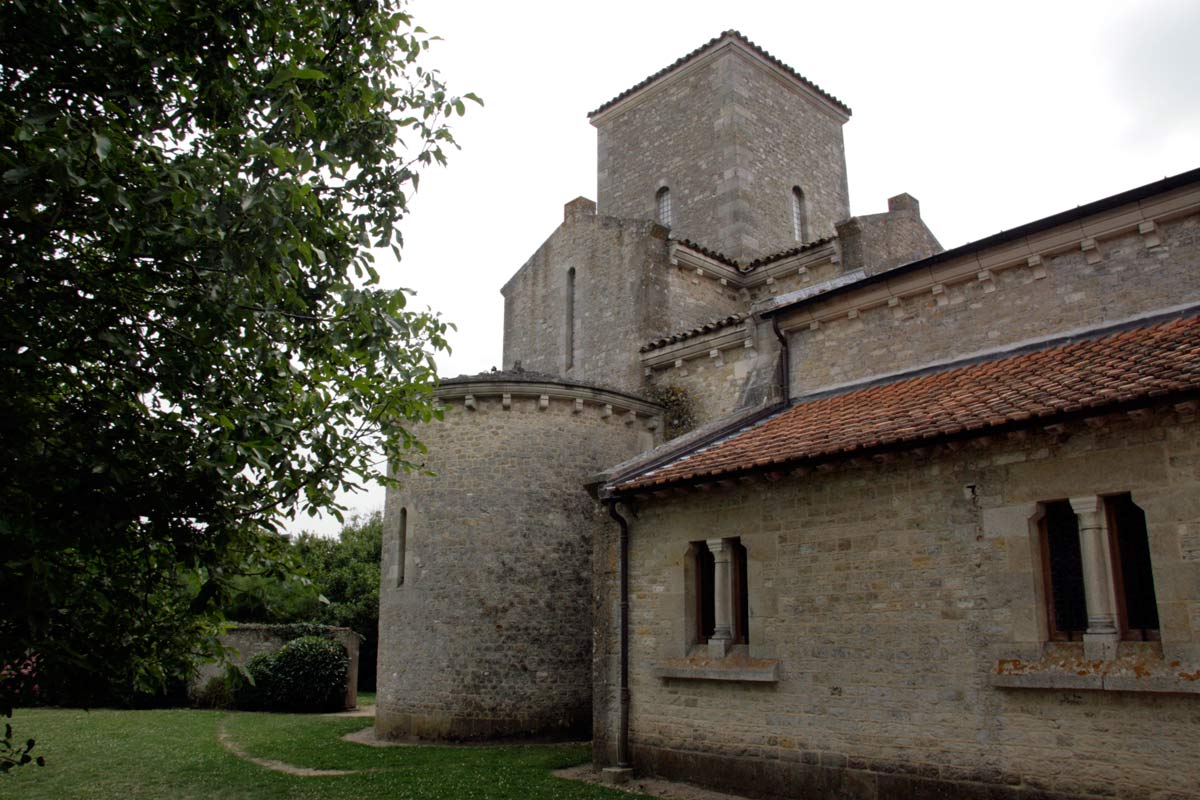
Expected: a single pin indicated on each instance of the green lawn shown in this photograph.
(128, 755)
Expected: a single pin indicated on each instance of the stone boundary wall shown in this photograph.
(250, 640)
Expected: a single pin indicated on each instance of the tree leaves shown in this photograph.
(192, 338)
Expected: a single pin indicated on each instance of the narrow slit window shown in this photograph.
(401, 546)
(664, 206)
(799, 215)
(570, 318)
(740, 594)
(1066, 605)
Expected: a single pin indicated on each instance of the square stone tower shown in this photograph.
(729, 148)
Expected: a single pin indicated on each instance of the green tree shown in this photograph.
(193, 346)
(346, 573)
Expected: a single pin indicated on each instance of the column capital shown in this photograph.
(1087, 510)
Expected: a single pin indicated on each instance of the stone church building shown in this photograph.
(935, 529)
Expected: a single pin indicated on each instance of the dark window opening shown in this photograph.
(663, 203)
(1067, 607)
(570, 315)
(706, 617)
(740, 594)
(1132, 573)
(401, 546)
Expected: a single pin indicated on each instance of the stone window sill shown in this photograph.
(736, 667)
(1063, 667)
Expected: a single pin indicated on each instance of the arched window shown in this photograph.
(570, 317)
(663, 204)
(799, 215)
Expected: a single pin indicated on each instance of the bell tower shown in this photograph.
(729, 148)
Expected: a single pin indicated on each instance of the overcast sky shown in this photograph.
(992, 115)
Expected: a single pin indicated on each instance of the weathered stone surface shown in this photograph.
(891, 593)
(485, 616)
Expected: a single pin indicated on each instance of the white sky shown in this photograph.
(992, 115)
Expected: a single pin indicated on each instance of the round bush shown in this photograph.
(306, 674)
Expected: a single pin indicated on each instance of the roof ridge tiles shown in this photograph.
(729, 34)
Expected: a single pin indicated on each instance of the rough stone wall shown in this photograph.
(489, 633)
(693, 300)
(730, 139)
(889, 593)
(879, 242)
(1065, 293)
(251, 640)
(620, 273)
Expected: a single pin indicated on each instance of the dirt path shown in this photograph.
(277, 766)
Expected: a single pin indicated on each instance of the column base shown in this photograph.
(718, 648)
(1101, 646)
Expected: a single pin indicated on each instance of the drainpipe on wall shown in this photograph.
(623, 761)
(784, 363)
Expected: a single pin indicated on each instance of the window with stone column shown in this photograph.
(1097, 575)
(719, 593)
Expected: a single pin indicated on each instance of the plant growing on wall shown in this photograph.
(679, 409)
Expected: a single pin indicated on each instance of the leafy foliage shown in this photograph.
(679, 406)
(337, 584)
(18, 686)
(192, 342)
(306, 674)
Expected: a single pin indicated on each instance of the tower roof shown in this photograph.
(726, 38)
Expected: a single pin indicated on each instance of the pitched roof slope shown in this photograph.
(730, 34)
(1137, 364)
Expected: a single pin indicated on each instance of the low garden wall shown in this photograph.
(249, 640)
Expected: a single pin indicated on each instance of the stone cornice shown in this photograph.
(934, 275)
(467, 391)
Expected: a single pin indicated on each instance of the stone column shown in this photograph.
(719, 642)
(1102, 635)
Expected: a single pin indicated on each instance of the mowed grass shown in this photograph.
(130, 755)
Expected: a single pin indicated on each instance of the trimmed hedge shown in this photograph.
(306, 674)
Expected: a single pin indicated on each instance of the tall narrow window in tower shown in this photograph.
(664, 206)
(401, 546)
(570, 318)
(799, 215)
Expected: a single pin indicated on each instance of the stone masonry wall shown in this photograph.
(485, 619)
(1064, 292)
(890, 594)
(620, 268)
(730, 138)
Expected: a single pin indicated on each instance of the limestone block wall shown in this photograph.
(891, 597)
(1103, 270)
(730, 135)
(485, 614)
(619, 289)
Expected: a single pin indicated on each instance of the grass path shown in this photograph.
(178, 753)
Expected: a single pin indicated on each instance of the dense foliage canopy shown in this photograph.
(192, 342)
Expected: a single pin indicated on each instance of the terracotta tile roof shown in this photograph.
(712, 325)
(713, 254)
(731, 34)
(773, 257)
(1113, 371)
